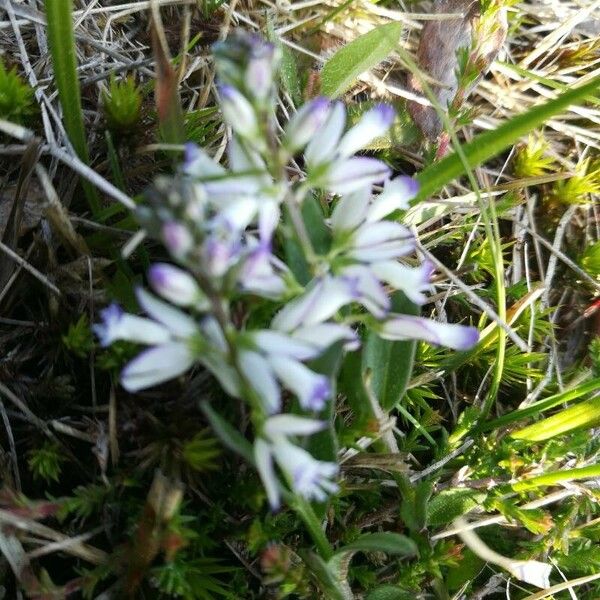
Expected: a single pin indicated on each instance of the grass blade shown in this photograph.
(490, 143)
(61, 40)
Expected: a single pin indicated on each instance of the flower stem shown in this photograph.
(306, 512)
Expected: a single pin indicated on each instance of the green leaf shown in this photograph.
(490, 143)
(325, 576)
(414, 506)
(450, 504)
(230, 436)
(360, 55)
(323, 445)
(389, 592)
(394, 544)
(390, 363)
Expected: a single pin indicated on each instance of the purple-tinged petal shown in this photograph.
(176, 286)
(197, 163)
(177, 239)
(397, 194)
(352, 174)
(322, 300)
(310, 478)
(117, 325)
(312, 388)
(156, 365)
(306, 123)
(382, 240)
(367, 289)
(403, 327)
(176, 321)
(371, 126)
(322, 148)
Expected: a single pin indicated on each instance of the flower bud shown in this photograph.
(176, 286)
(177, 238)
(306, 123)
(238, 112)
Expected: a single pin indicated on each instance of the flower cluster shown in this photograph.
(223, 228)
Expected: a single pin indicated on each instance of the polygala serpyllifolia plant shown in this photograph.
(224, 229)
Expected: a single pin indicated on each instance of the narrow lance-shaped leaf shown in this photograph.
(360, 55)
(390, 363)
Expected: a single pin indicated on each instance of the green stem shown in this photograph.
(305, 511)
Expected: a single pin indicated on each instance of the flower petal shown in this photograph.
(372, 125)
(352, 174)
(260, 376)
(322, 300)
(351, 210)
(310, 478)
(117, 325)
(323, 335)
(198, 163)
(412, 281)
(382, 240)
(396, 195)
(367, 289)
(266, 471)
(176, 321)
(238, 112)
(311, 388)
(274, 342)
(322, 147)
(292, 425)
(156, 365)
(403, 327)
(306, 123)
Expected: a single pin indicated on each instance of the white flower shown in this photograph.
(366, 288)
(308, 477)
(329, 154)
(351, 210)
(177, 239)
(404, 327)
(372, 125)
(291, 425)
(170, 332)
